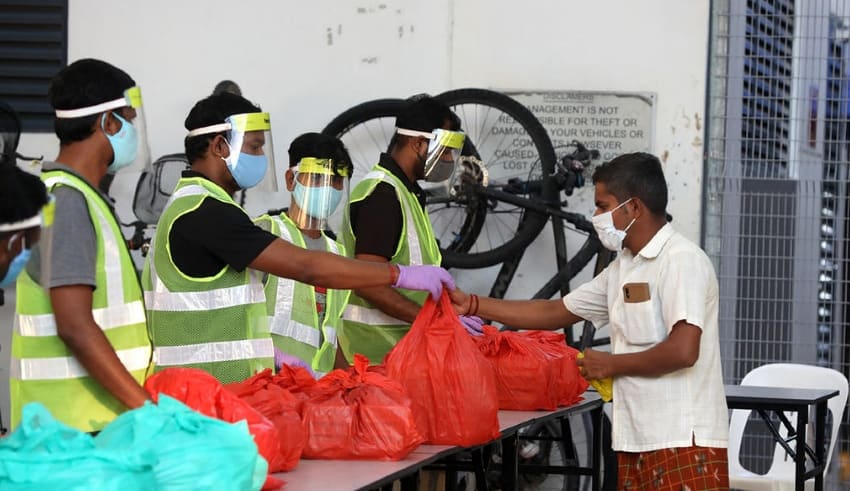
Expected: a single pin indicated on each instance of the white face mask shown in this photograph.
(609, 235)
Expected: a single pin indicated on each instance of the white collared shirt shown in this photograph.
(681, 408)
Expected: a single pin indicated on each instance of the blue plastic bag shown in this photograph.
(43, 453)
(191, 451)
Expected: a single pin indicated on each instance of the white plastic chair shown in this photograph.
(781, 475)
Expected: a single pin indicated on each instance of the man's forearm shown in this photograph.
(389, 301)
(94, 352)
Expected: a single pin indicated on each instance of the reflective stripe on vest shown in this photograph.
(110, 317)
(213, 352)
(281, 323)
(413, 245)
(373, 317)
(162, 299)
(64, 367)
(111, 252)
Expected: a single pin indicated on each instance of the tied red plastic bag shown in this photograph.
(281, 407)
(570, 385)
(529, 372)
(452, 385)
(359, 414)
(204, 393)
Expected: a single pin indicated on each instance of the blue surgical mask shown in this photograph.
(319, 202)
(125, 144)
(15, 267)
(248, 170)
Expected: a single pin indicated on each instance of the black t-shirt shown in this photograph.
(213, 235)
(377, 219)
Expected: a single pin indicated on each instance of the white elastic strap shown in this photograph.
(89, 110)
(406, 132)
(216, 128)
(67, 367)
(26, 223)
(213, 352)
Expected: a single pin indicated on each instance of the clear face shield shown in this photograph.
(251, 158)
(23, 238)
(130, 143)
(443, 151)
(318, 187)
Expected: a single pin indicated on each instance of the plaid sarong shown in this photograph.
(674, 469)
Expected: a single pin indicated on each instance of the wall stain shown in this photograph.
(697, 123)
(330, 36)
(664, 156)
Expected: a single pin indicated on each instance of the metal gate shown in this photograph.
(776, 188)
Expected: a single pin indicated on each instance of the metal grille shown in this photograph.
(33, 47)
(776, 190)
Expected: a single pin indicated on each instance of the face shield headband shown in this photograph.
(320, 186)
(251, 159)
(439, 165)
(130, 143)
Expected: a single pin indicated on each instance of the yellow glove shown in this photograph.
(605, 387)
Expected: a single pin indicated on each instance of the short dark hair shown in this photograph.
(320, 146)
(10, 134)
(424, 113)
(84, 83)
(227, 86)
(21, 194)
(209, 111)
(635, 175)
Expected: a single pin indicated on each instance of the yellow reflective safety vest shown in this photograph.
(216, 323)
(366, 329)
(42, 367)
(291, 305)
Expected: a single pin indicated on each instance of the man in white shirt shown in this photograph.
(660, 298)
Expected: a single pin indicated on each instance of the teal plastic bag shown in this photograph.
(192, 451)
(43, 453)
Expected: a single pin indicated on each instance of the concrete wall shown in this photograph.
(305, 62)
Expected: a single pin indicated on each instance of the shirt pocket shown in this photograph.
(640, 323)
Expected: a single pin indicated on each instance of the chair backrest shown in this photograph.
(799, 377)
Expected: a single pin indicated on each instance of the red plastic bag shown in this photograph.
(570, 385)
(530, 370)
(281, 407)
(358, 414)
(204, 393)
(452, 385)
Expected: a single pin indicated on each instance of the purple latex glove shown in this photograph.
(281, 358)
(473, 324)
(427, 278)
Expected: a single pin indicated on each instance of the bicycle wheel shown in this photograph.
(509, 143)
(366, 129)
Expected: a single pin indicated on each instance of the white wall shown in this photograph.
(305, 62)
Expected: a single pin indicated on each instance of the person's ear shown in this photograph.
(289, 176)
(219, 147)
(637, 207)
(110, 123)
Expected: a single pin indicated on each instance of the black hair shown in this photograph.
(84, 83)
(207, 112)
(10, 134)
(424, 113)
(635, 175)
(320, 146)
(227, 86)
(22, 195)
